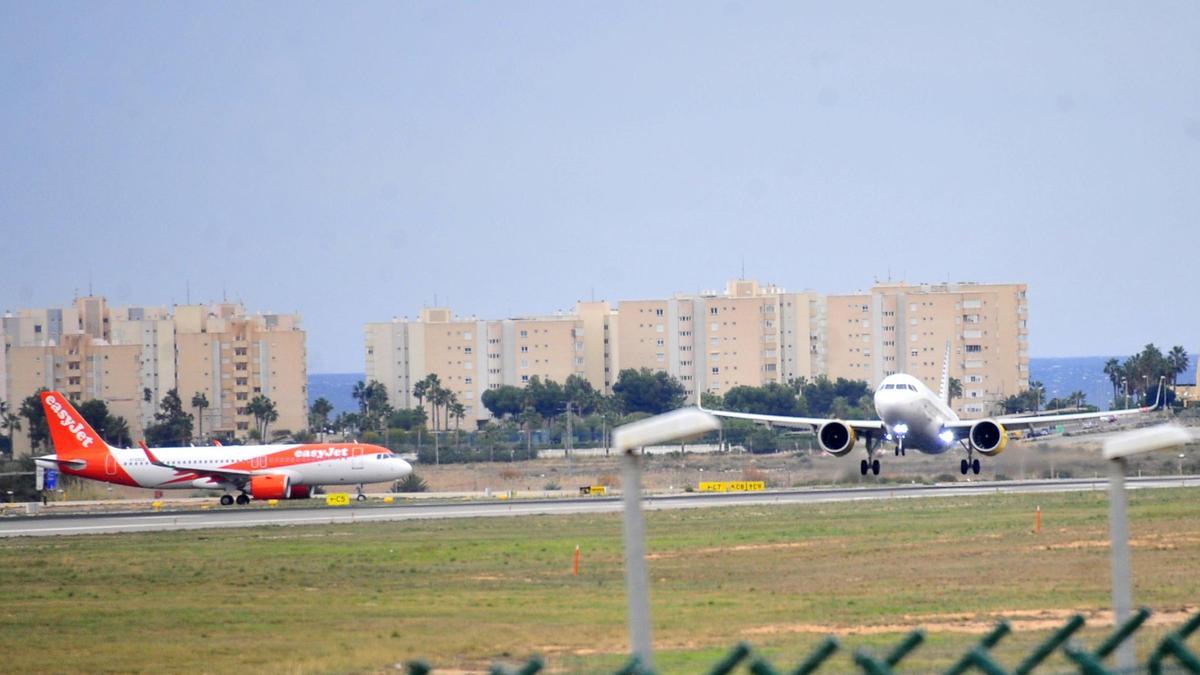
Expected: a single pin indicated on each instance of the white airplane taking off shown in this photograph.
(912, 416)
(258, 471)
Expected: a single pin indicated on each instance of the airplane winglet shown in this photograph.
(149, 455)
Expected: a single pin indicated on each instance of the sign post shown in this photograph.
(629, 439)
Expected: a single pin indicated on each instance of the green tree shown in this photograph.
(581, 394)
(956, 390)
(200, 403)
(264, 413)
(770, 399)
(372, 400)
(504, 401)
(114, 430)
(1112, 368)
(648, 391)
(171, 426)
(407, 418)
(1178, 362)
(35, 419)
(11, 424)
(318, 414)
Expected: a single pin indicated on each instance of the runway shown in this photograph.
(256, 516)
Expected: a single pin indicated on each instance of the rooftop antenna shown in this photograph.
(89, 283)
(224, 297)
(743, 267)
(187, 297)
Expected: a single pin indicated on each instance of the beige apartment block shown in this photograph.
(131, 357)
(896, 327)
(749, 335)
(471, 356)
(231, 357)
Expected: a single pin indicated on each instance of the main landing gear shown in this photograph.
(869, 465)
(971, 465)
(242, 499)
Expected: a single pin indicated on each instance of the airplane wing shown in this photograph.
(798, 422)
(1028, 421)
(235, 476)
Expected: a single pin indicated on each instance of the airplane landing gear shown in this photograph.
(871, 465)
(971, 465)
(226, 500)
(243, 499)
(361, 497)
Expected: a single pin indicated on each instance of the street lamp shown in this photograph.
(628, 440)
(1117, 450)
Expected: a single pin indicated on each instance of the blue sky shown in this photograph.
(356, 161)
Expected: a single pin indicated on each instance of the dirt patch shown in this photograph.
(730, 549)
(1164, 542)
(975, 624)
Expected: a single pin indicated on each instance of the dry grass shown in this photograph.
(463, 594)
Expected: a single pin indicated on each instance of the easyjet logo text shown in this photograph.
(67, 420)
(323, 453)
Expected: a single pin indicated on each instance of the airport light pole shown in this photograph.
(1117, 450)
(629, 439)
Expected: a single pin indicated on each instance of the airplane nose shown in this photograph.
(404, 469)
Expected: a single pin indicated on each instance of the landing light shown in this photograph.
(900, 429)
(947, 436)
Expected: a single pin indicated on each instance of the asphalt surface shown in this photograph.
(260, 515)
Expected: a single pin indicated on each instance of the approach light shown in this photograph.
(900, 429)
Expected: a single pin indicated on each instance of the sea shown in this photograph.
(1060, 375)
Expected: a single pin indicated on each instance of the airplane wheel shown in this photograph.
(963, 467)
(226, 500)
(243, 499)
(975, 467)
(875, 467)
(897, 451)
(903, 452)
(863, 467)
(362, 497)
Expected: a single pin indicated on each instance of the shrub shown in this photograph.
(411, 483)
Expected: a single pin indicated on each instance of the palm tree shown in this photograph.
(199, 402)
(458, 411)
(1177, 362)
(955, 388)
(318, 415)
(264, 413)
(441, 397)
(1112, 368)
(10, 422)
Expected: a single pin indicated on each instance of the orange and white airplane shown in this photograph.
(253, 471)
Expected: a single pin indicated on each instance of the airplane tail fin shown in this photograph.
(944, 387)
(71, 434)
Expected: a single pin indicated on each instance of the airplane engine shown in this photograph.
(836, 438)
(301, 492)
(988, 437)
(274, 486)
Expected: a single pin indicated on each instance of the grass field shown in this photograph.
(465, 594)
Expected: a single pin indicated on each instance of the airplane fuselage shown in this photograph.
(914, 415)
(304, 464)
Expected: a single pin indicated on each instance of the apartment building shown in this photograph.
(749, 334)
(130, 357)
(897, 327)
(470, 356)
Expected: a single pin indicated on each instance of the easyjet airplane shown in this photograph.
(913, 416)
(253, 471)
